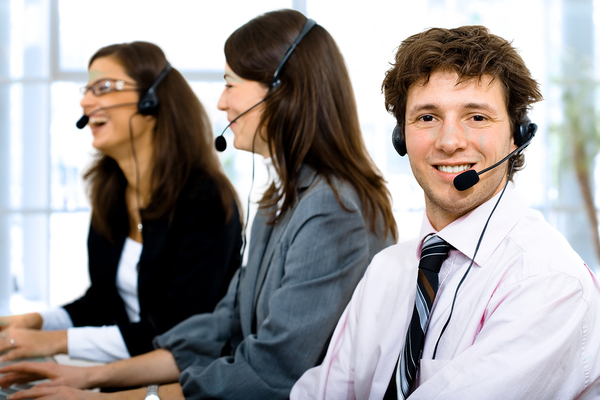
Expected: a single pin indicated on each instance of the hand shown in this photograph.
(30, 321)
(19, 343)
(56, 393)
(59, 375)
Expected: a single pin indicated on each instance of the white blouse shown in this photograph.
(103, 343)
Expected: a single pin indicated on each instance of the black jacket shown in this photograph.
(185, 267)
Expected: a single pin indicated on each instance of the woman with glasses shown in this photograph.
(165, 233)
(326, 213)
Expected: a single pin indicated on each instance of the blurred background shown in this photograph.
(44, 50)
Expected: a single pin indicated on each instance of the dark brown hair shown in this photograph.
(311, 118)
(470, 51)
(182, 141)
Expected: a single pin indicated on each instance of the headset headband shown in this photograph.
(308, 25)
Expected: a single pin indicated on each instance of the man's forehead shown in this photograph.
(461, 80)
(485, 83)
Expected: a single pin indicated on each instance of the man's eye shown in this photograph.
(426, 118)
(479, 118)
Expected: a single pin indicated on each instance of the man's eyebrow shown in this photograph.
(422, 107)
(481, 106)
(470, 106)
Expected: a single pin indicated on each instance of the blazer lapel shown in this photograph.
(265, 262)
(261, 260)
(261, 233)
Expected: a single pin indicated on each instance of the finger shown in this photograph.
(6, 340)
(56, 393)
(18, 377)
(3, 348)
(33, 393)
(49, 383)
(6, 380)
(14, 354)
(28, 367)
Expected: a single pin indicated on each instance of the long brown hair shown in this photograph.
(182, 141)
(311, 117)
(470, 51)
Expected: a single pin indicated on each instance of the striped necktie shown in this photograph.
(434, 252)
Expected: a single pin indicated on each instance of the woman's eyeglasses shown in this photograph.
(105, 86)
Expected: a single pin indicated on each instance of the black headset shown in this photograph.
(523, 133)
(148, 104)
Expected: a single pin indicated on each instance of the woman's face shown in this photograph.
(110, 101)
(238, 96)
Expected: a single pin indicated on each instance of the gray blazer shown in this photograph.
(280, 310)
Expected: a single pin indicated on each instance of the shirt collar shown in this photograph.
(464, 233)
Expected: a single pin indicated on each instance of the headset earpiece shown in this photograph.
(275, 84)
(524, 132)
(398, 140)
(148, 104)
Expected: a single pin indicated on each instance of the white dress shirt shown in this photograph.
(526, 324)
(103, 343)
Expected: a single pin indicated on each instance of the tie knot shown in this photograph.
(434, 252)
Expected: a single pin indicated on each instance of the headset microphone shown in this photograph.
(469, 178)
(83, 121)
(220, 142)
(466, 180)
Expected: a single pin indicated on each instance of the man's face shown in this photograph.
(451, 128)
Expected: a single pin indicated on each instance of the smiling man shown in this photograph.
(489, 302)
